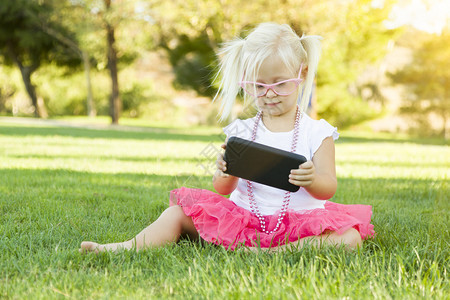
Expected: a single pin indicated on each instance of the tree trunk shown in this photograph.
(39, 106)
(445, 130)
(31, 90)
(42, 111)
(114, 101)
(26, 71)
(91, 111)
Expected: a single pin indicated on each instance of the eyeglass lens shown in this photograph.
(283, 88)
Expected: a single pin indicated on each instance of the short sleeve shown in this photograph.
(320, 130)
(239, 128)
(230, 128)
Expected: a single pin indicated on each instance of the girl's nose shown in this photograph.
(270, 93)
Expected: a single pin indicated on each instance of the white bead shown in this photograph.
(287, 196)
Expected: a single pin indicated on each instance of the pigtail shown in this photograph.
(230, 73)
(313, 48)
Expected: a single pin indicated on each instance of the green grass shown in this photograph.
(60, 186)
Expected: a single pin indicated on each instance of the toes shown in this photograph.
(89, 247)
(86, 246)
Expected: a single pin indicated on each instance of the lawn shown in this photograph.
(62, 185)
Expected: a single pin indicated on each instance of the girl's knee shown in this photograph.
(185, 222)
(175, 211)
(352, 238)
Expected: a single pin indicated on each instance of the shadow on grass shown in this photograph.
(52, 182)
(420, 141)
(73, 203)
(147, 133)
(197, 159)
(23, 185)
(419, 165)
(47, 209)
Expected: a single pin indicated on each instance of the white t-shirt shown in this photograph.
(310, 137)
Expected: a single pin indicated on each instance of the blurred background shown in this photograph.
(385, 64)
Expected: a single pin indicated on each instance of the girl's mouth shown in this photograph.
(272, 104)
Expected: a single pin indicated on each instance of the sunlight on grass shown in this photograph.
(142, 154)
(62, 185)
(392, 160)
(104, 156)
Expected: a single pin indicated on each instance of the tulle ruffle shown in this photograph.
(220, 221)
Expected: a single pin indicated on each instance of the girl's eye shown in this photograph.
(259, 87)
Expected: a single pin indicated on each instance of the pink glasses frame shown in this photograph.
(268, 87)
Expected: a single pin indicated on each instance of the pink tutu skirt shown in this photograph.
(218, 220)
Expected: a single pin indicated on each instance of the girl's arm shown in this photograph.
(318, 176)
(223, 183)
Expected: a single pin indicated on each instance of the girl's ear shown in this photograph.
(304, 72)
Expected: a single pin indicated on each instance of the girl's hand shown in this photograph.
(224, 184)
(304, 175)
(221, 164)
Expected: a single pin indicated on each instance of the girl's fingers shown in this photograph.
(308, 163)
(300, 183)
(301, 177)
(220, 163)
(301, 172)
(306, 168)
(301, 180)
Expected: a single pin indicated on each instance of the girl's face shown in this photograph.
(273, 70)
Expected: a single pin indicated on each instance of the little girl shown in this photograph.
(272, 66)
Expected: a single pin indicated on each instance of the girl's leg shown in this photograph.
(351, 239)
(168, 228)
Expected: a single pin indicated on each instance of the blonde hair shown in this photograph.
(240, 59)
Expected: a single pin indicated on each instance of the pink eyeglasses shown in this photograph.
(282, 88)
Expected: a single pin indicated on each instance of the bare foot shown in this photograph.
(96, 248)
(90, 247)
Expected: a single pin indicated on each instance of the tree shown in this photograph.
(24, 42)
(115, 103)
(354, 38)
(353, 31)
(427, 78)
(109, 16)
(91, 111)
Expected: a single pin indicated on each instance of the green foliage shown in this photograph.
(66, 94)
(353, 31)
(8, 88)
(354, 38)
(190, 32)
(427, 78)
(60, 186)
(25, 42)
(64, 90)
(341, 109)
(22, 34)
(139, 98)
(193, 60)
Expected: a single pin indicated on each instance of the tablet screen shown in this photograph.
(261, 163)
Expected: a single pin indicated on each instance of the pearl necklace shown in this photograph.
(287, 195)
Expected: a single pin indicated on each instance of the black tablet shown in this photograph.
(261, 163)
